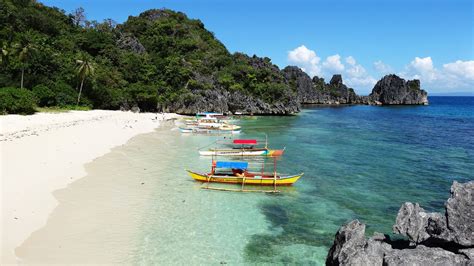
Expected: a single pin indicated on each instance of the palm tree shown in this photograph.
(5, 52)
(23, 56)
(85, 68)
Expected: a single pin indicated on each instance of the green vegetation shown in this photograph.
(16, 101)
(150, 61)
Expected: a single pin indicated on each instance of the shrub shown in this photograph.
(64, 94)
(144, 96)
(44, 95)
(17, 101)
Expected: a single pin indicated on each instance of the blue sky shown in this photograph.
(363, 40)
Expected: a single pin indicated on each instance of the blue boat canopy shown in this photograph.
(236, 165)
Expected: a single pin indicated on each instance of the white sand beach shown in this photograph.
(45, 152)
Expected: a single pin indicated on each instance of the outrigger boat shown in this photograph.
(237, 173)
(208, 130)
(209, 125)
(243, 147)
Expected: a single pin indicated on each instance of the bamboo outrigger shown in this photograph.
(237, 173)
(243, 147)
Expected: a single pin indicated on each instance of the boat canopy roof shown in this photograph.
(245, 141)
(236, 165)
(208, 113)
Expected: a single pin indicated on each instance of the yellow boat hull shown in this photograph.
(259, 181)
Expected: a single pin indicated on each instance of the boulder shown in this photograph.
(456, 226)
(351, 248)
(460, 213)
(349, 240)
(422, 255)
(433, 238)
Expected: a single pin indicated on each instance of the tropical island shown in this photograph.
(158, 61)
(99, 119)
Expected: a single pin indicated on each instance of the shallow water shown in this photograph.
(360, 162)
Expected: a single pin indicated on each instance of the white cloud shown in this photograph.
(461, 69)
(358, 77)
(382, 68)
(350, 60)
(422, 64)
(333, 63)
(423, 69)
(353, 74)
(455, 76)
(306, 59)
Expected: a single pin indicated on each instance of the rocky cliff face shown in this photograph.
(316, 91)
(393, 90)
(390, 90)
(228, 102)
(433, 238)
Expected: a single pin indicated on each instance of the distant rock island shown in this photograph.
(432, 238)
(390, 90)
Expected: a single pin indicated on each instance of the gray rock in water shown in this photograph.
(460, 213)
(393, 90)
(349, 240)
(435, 239)
(456, 225)
(412, 221)
(422, 255)
(351, 248)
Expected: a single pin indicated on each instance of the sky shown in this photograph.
(362, 40)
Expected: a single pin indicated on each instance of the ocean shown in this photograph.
(138, 205)
(360, 162)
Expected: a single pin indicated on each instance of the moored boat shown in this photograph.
(243, 147)
(198, 130)
(237, 173)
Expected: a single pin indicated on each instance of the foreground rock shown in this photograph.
(433, 238)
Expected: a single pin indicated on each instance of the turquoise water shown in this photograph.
(360, 162)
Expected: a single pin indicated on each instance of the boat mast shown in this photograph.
(274, 175)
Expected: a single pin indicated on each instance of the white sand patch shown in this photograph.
(45, 152)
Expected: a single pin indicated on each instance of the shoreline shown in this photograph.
(46, 152)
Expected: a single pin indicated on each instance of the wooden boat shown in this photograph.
(243, 147)
(250, 179)
(198, 130)
(237, 173)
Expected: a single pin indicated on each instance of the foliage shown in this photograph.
(62, 109)
(156, 58)
(16, 101)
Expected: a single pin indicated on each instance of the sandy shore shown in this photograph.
(46, 152)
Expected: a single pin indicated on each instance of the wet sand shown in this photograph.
(137, 205)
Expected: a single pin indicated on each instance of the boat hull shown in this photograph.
(239, 152)
(208, 131)
(259, 181)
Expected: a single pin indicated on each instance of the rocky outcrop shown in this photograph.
(316, 91)
(228, 102)
(129, 42)
(390, 90)
(393, 90)
(433, 238)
